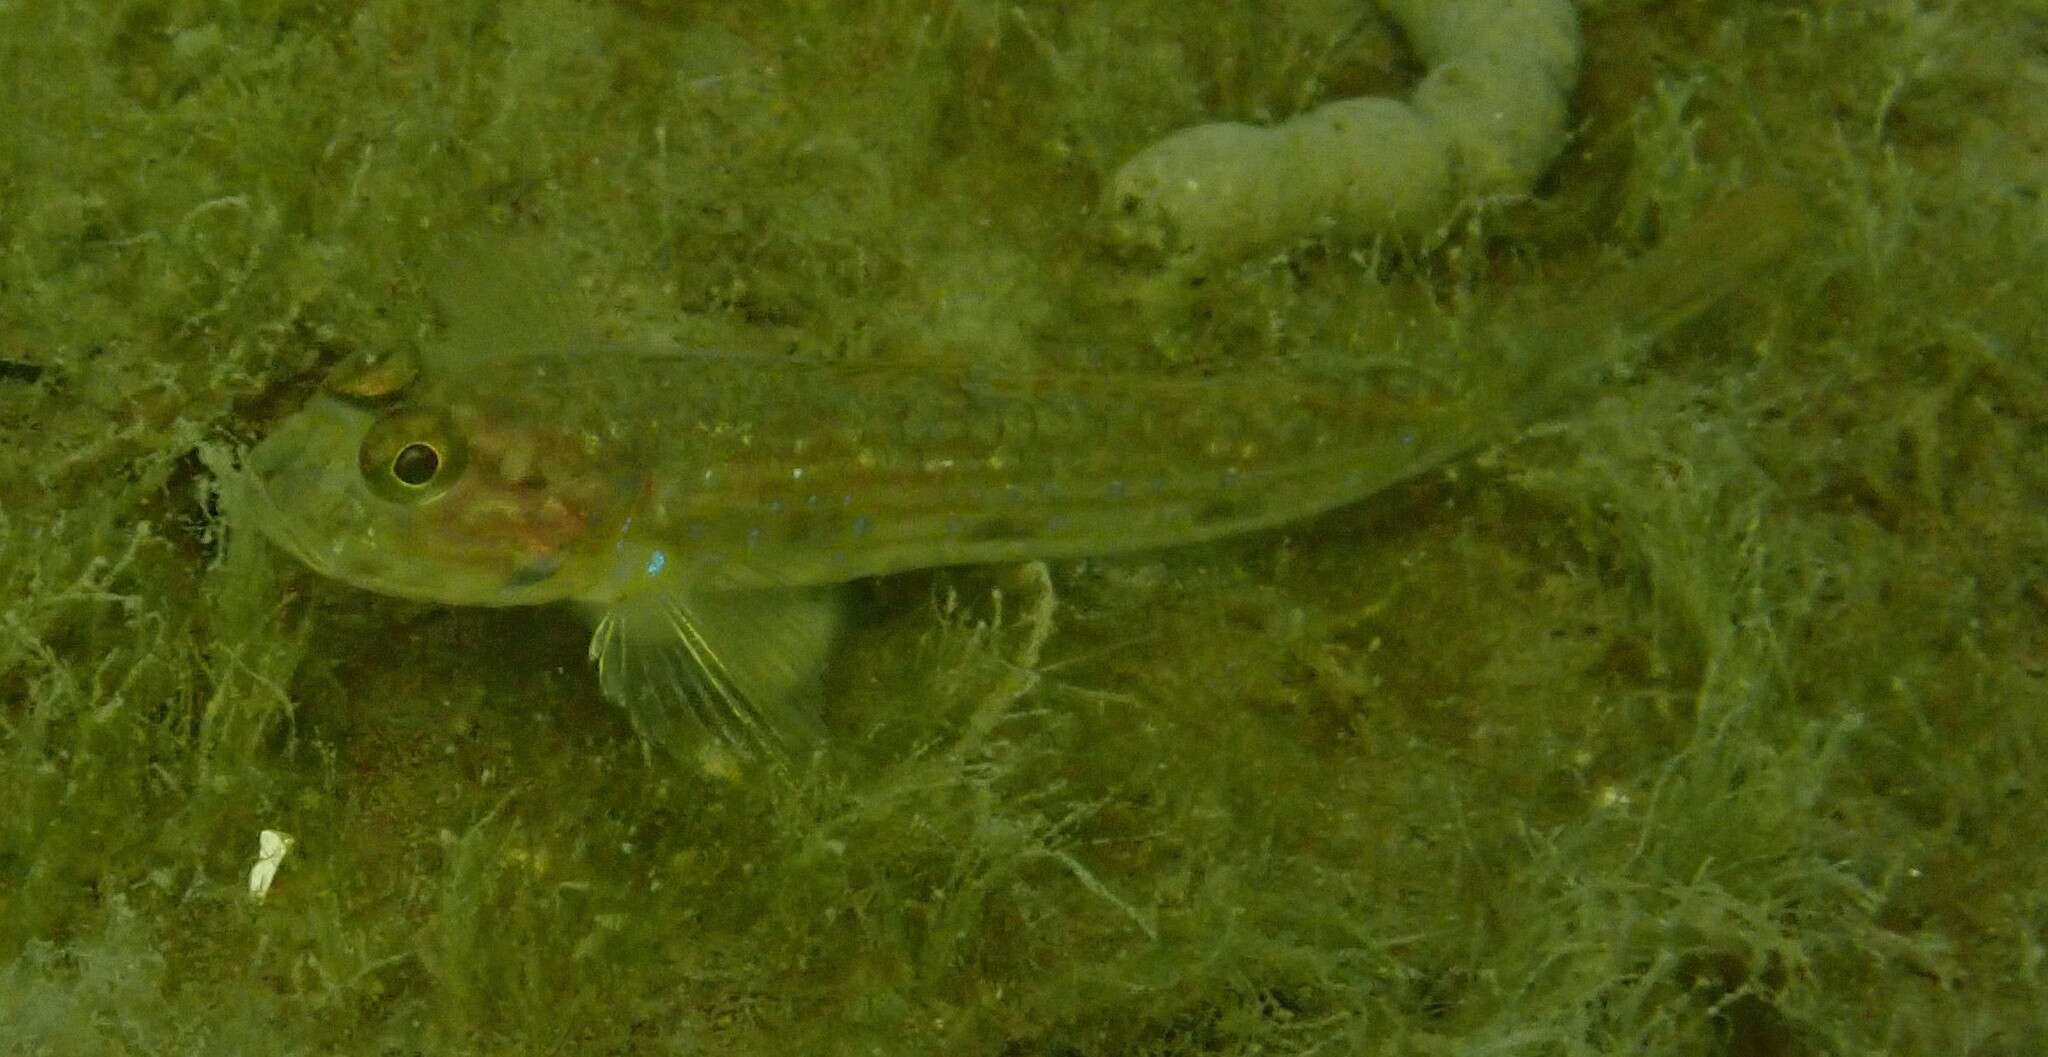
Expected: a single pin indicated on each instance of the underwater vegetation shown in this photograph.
(1705, 716)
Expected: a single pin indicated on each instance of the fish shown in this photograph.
(707, 509)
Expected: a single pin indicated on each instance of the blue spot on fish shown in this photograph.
(656, 562)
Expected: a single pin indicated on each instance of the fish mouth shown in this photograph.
(251, 504)
(289, 486)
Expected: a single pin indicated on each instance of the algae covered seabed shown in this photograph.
(1707, 719)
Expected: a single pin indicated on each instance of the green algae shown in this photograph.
(1707, 720)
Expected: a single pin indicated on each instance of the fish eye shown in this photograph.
(412, 455)
(415, 464)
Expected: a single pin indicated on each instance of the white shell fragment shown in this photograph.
(1486, 119)
(271, 848)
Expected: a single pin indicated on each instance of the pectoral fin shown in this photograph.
(737, 665)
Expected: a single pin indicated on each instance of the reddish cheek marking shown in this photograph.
(521, 521)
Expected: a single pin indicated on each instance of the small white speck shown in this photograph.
(271, 848)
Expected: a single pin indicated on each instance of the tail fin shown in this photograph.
(1732, 243)
(1728, 245)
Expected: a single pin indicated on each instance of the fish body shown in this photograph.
(586, 477)
(705, 506)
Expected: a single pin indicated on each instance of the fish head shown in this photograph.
(423, 492)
